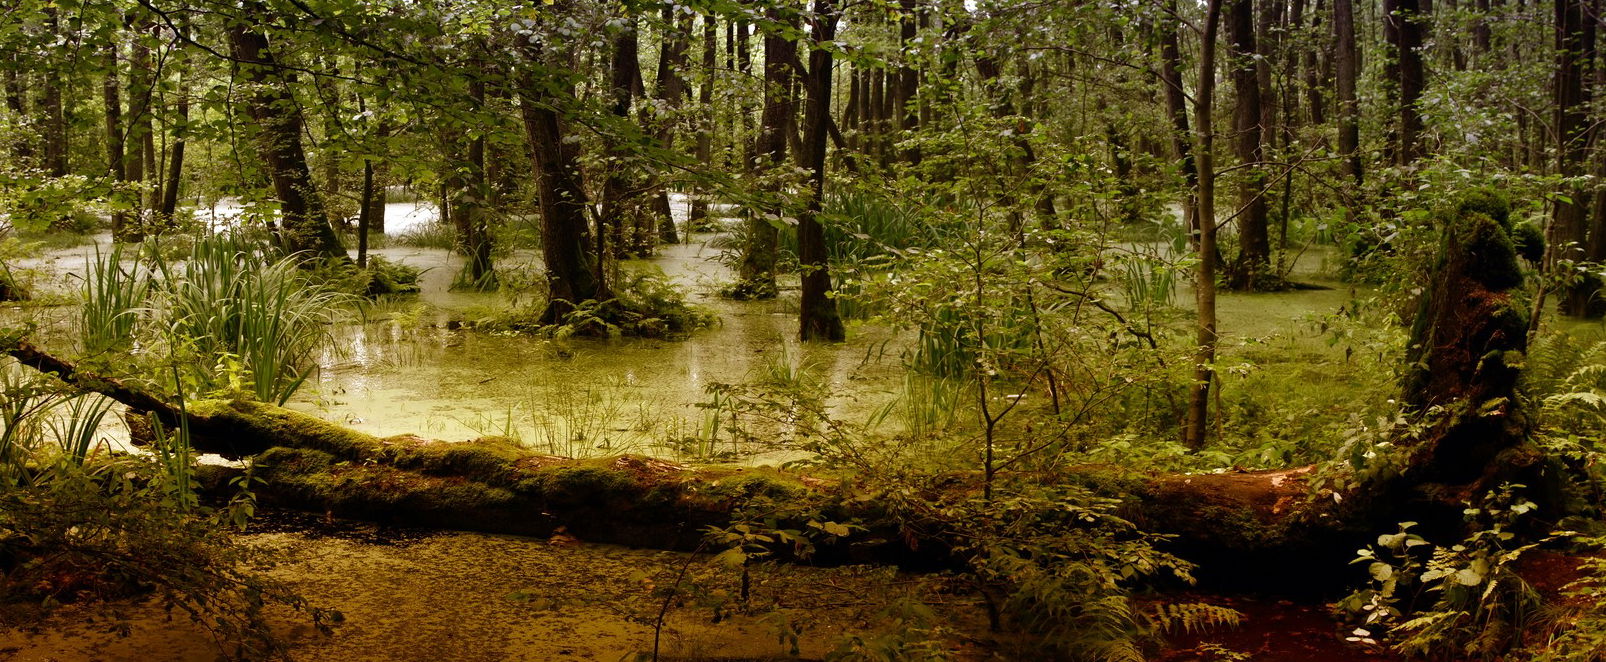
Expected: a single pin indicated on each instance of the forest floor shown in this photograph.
(411, 594)
(437, 595)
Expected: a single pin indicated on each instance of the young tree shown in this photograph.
(818, 319)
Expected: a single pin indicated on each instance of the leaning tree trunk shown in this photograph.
(303, 226)
(819, 319)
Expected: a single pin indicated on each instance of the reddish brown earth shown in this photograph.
(1274, 631)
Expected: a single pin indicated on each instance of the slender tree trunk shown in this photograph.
(620, 198)
(175, 162)
(55, 128)
(470, 195)
(1197, 423)
(304, 226)
(757, 269)
(1253, 266)
(1346, 73)
(139, 141)
(1406, 25)
(705, 125)
(671, 94)
(117, 164)
(1177, 108)
(365, 212)
(819, 319)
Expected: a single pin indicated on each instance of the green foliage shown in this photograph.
(1058, 563)
(644, 305)
(253, 321)
(1463, 601)
(116, 290)
(1582, 617)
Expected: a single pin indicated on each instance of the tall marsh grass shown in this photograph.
(114, 295)
(236, 314)
(255, 314)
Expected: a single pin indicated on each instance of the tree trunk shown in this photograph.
(1405, 27)
(671, 94)
(470, 199)
(1346, 73)
(303, 226)
(757, 269)
(1176, 104)
(1575, 62)
(1252, 270)
(1197, 423)
(574, 270)
(117, 163)
(698, 215)
(55, 127)
(621, 199)
(819, 319)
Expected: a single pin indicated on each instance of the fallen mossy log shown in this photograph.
(1249, 529)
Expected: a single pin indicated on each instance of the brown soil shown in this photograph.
(423, 595)
(1272, 631)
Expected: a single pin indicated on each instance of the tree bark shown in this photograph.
(1252, 270)
(1196, 426)
(757, 268)
(574, 270)
(1569, 231)
(819, 319)
(621, 199)
(1346, 74)
(698, 214)
(303, 226)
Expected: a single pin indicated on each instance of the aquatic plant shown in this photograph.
(251, 319)
(114, 296)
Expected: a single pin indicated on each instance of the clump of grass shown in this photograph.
(114, 295)
(434, 234)
(249, 312)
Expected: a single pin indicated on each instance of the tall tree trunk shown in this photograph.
(365, 212)
(621, 202)
(470, 197)
(303, 226)
(1346, 73)
(1196, 425)
(55, 128)
(175, 162)
(757, 268)
(117, 164)
(139, 141)
(1314, 67)
(1575, 62)
(1253, 267)
(1176, 103)
(574, 271)
(1406, 25)
(671, 94)
(818, 318)
(698, 214)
